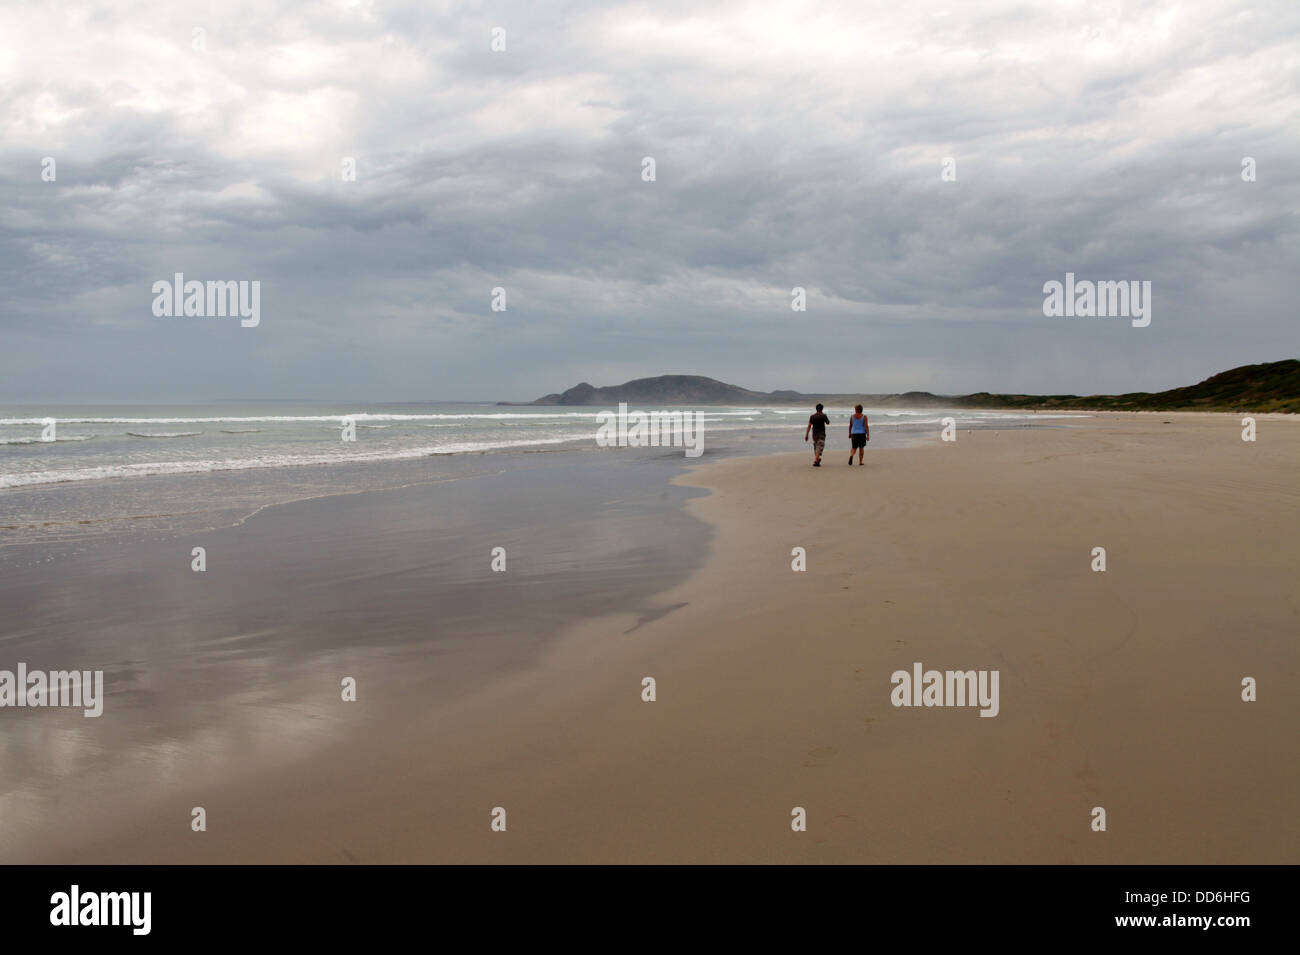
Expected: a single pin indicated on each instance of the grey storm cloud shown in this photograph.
(796, 144)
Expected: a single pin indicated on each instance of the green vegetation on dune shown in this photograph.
(1272, 386)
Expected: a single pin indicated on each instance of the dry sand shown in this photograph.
(1119, 689)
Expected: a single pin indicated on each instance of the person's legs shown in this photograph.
(861, 450)
(818, 445)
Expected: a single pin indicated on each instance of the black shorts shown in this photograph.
(859, 440)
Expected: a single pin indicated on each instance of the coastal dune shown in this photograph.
(1119, 690)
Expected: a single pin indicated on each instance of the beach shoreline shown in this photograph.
(1118, 689)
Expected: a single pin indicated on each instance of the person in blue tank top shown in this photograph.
(859, 434)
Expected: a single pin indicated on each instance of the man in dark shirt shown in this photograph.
(817, 425)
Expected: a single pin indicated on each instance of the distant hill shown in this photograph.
(666, 389)
(1273, 386)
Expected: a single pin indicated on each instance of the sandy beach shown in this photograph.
(1118, 689)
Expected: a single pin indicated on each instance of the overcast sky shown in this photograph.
(794, 144)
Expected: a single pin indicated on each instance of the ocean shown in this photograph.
(90, 443)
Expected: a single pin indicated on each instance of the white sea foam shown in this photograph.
(291, 419)
(359, 417)
(69, 437)
(148, 468)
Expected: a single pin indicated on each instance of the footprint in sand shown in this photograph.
(836, 828)
(820, 756)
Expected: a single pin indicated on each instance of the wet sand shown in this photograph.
(1119, 689)
(211, 676)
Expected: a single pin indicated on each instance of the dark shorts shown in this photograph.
(859, 440)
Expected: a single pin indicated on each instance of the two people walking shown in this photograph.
(859, 434)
